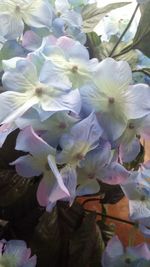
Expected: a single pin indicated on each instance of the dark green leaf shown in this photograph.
(12, 186)
(46, 242)
(146, 71)
(84, 243)
(142, 37)
(51, 236)
(92, 15)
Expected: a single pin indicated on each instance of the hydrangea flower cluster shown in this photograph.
(79, 118)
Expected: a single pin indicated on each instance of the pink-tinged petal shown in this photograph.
(31, 41)
(53, 166)
(73, 48)
(114, 174)
(140, 251)
(44, 189)
(29, 141)
(27, 166)
(5, 130)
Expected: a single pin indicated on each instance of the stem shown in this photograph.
(124, 32)
(89, 200)
(111, 217)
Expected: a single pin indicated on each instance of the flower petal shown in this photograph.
(29, 141)
(27, 166)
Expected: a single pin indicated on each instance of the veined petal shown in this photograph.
(53, 166)
(22, 78)
(14, 104)
(39, 14)
(29, 141)
(113, 76)
(62, 101)
(11, 26)
(51, 74)
(72, 48)
(18, 112)
(44, 189)
(27, 166)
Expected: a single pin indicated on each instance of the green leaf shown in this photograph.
(92, 44)
(92, 14)
(12, 187)
(141, 40)
(106, 47)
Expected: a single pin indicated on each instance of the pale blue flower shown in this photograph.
(25, 90)
(40, 160)
(68, 59)
(113, 98)
(83, 137)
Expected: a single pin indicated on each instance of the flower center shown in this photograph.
(17, 9)
(79, 156)
(62, 125)
(39, 91)
(111, 100)
(58, 14)
(74, 69)
(131, 126)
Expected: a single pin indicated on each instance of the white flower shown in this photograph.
(14, 13)
(113, 98)
(26, 89)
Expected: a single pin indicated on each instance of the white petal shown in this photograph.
(11, 27)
